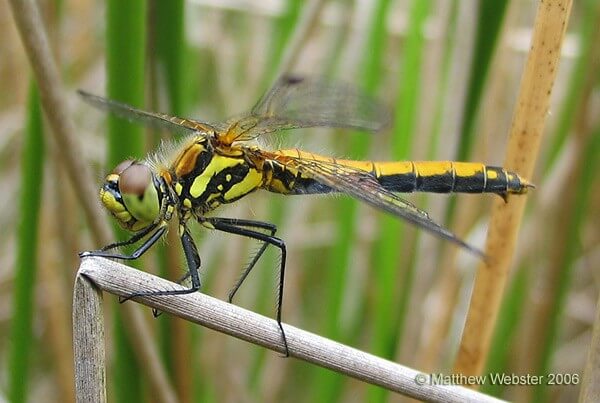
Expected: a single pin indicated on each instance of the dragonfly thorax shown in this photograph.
(132, 194)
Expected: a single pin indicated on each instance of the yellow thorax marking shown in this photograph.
(178, 188)
(217, 164)
(246, 185)
(112, 178)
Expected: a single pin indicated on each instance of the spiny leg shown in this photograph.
(226, 225)
(246, 271)
(135, 255)
(135, 238)
(193, 262)
(272, 228)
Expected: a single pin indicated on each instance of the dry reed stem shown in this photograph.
(306, 24)
(525, 137)
(542, 316)
(53, 100)
(227, 318)
(88, 342)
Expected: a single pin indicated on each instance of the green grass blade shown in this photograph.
(490, 18)
(283, 28)
(169, 59)
(171, 50)
(388, 261)
(445, 74)
(327, 385)
(125, 60)
(125, 65)
(21, 337)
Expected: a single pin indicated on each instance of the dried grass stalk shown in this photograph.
(525, 138)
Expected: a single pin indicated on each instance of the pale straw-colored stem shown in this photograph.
(530, 115)
(227, 318)
(54, 103)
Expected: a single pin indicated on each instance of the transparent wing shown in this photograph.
(296, 102)
(364, 186)
(153, 119)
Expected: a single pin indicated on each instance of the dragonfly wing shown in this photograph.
(152, 119)
(296, 102)
(364, 186)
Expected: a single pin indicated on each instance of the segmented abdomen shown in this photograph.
(403, 176)
(447, 177)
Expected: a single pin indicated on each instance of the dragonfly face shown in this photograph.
(130, 193)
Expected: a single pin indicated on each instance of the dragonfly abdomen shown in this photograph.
(448, 177)
(401, 176)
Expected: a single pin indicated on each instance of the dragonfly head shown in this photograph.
(131, 194)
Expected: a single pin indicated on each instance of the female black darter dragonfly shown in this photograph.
(218, 164)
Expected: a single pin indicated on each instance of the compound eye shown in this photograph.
(122, 166)
(134, 179)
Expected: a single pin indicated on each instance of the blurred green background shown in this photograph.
(450, 72)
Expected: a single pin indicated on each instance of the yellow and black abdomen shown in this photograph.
(403, 176)
(447, 177)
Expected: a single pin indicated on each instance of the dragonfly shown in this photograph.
(219, 163)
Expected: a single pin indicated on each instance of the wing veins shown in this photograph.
(152, 119)
(297, 102)
(364, 186)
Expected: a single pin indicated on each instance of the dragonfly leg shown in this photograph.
(240, 227)
(104, 252)
(193, 262)
(271, 228)
(136, 237)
